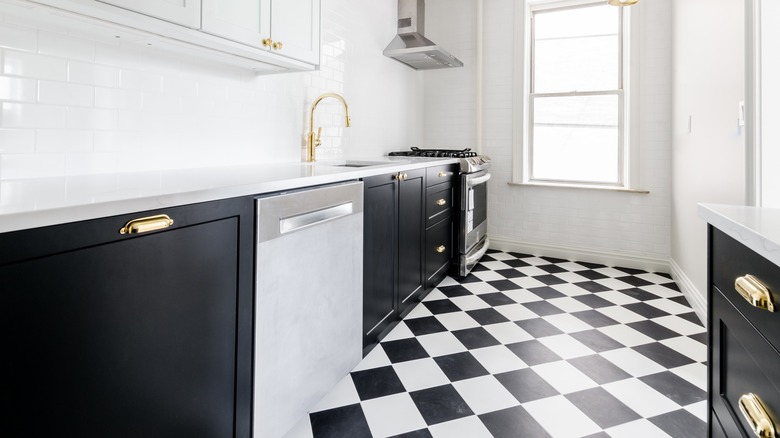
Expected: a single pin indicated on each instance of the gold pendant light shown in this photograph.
(623, 2)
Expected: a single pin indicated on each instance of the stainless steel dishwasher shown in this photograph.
(309, 300)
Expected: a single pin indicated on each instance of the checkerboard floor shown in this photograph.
(531, 347)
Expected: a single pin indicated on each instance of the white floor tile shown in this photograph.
(535, 261)
(439, 344)
(561, 418)
(610, 272)
(498, 359)
(420, 374)
(681, 326)
(632, 362)
(496, 265)
(568, 304)
(616, 297)
(470, 302)
(566, 347)
(401, 331)
(571, 290)
(661, 291)
(502, 256)
(375, 359)
(343, 394)
(508, 332)
(485, 394)
(435, 295)
(419, 311)
(637, 429)
(480, 288)
(687, 346)
(654, 278)
(571, 266)
(527, 282)
(699, 410)
(621, 314)
(467, 427)
(626, 335)
(488, 275)
(564, 377)
(516, 312)
(670, 306)
(448, 281)
(566, 322)
(571, 277)
(640, 397)
(522, 296)
(696, 373)
(532, 271)
(392, 415)
(456, 321)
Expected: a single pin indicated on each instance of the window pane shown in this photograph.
(576, 139)
(576, 50)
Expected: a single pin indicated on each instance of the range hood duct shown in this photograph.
(410, 45)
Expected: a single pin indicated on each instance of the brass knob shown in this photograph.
(443, 174)
(440, 249)
(441, 202)
(401, 176)
(277, 45)
(268, 42)
(757, 416)
(754, 292)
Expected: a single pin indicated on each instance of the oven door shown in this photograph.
(473, 209)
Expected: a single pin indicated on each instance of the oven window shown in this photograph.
(480, 204)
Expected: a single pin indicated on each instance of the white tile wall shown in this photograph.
(608, 222)
(75, 103)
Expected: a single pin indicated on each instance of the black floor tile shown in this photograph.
(593, 301)
(520, 255)
(591, 274)
(525, 385)
(599, 369)
(680, 423)
(474, 338)
(631, 271)
(460, 366)
(675, 388)
(503, 285)
(602, 407)
(510, 273)
(549, 280)
(672, 285)
(422, 433)
(663, 355)
(546, 292)
(543, 308)
(691, 317)
(441, 306)
(634, 281)
(653, 330)
(539, 328)
(645, 310)
(404, 350)
(345, 421)
(424, 326)
(497, 299)
(639, 294)
(513, 423)
(533, 352)
(591, 265)
(471, 278)
(454, 291)
(592, 286)
(377, 382)
(595, 318)
(552, 269)
(597, 341)
(487, 316)
(701, 337)
(515, 263)
(553, 260)
(440, 404)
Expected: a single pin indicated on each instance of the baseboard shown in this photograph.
(696, 298)
(608, 258)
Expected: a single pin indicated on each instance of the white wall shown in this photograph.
(631, 228)
(770, 103)
(708, 162)
(74, 102)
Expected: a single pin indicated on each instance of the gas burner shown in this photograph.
(435, 153)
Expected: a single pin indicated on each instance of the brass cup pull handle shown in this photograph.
(440, 249)
(441, 202)
(443, 174)
(146, 224)
(755, 292)
(277, 45)
(268, 42)
(756, 415)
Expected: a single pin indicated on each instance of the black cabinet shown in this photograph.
(743, 339)
(407, 244)
(127, 335)
(394, 230)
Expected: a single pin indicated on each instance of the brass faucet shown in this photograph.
(312, 139)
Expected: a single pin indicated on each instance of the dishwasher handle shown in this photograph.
(301, 221)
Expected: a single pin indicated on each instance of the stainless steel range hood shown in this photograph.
(410, 45)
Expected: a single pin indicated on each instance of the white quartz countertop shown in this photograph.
(757, 228)
(41, 202)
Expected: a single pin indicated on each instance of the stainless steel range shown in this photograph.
(471, 224)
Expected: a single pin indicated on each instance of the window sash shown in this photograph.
(621, 158)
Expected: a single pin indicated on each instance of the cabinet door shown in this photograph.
(138, 335)
(244, 21)
(411, 237)
(296, 25)
(184, 12)
(380, 239)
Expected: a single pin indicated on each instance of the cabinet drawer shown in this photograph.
(730, 260)
(438, 251)
(742, 363)
(439, 174)
(438, 203)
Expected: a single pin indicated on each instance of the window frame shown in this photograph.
(524, 95)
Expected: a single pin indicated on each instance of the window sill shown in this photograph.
(582, 187)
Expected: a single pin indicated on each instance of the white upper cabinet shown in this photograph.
(184, 12)
(286, 27)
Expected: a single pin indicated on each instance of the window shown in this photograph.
(576, 127)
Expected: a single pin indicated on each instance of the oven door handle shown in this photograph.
(477, 181)
(474, 258)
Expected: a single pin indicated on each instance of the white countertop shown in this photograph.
(756, 228)
(41, 202)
